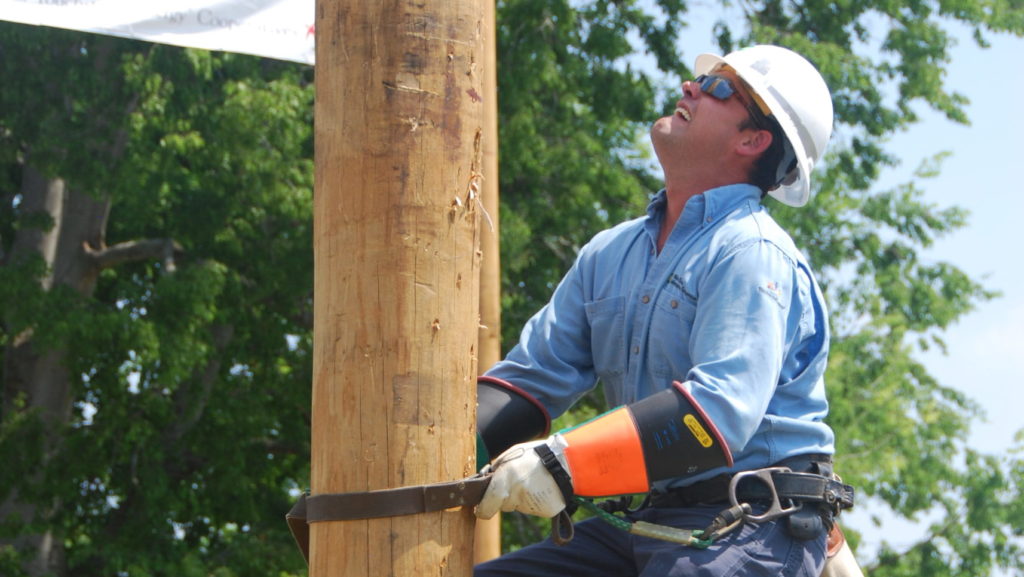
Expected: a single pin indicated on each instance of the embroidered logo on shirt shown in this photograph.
(772, 289)
(676, 281)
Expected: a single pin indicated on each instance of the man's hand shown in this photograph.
(521, 482)
(607, 455)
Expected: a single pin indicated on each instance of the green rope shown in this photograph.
(617, 522)
(688, 537)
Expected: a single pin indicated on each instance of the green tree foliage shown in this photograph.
(165, 300)
(183, 337)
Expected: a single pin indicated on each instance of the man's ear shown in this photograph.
(753, 142)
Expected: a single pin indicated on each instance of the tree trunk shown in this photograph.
(396, 236)
(66, 228)
(35, 376)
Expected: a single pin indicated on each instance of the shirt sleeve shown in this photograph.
(748, 310)
(552, 360)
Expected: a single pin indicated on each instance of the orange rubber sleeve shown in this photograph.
(605, 456)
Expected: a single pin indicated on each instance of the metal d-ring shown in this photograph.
(776, 509)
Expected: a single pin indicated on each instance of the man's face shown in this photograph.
(703, 127)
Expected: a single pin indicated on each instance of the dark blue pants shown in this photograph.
(601, 550)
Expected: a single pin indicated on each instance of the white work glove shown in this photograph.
(521, 482)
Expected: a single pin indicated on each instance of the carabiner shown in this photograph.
(776, 509)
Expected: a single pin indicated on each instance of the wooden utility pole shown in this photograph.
(396, 236)
(488, 533)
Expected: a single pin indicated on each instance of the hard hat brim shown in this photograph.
(799, 191)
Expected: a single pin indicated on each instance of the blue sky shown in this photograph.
(986, 348)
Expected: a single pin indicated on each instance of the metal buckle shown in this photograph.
(776, 509)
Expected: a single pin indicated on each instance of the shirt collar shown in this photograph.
(710, 205)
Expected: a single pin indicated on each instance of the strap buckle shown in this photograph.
(776, 509)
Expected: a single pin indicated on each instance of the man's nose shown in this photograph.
(690, 89)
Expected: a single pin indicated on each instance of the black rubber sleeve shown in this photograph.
(677, 437)
(506, 415)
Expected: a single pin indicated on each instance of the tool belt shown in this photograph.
(807, 478)
(802, 489)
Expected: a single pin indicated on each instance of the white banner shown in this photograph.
(280, 29)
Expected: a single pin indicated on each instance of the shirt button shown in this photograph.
(674, 304)
(708, 219)
(636, 350)
(646, 299)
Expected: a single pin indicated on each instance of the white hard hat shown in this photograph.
(795, 93)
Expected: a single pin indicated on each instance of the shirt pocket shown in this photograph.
(607, 338)
(668, 342)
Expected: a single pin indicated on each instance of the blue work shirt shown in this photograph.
(729, 308)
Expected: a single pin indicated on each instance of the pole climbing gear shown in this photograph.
(382, 503)
(785, 493)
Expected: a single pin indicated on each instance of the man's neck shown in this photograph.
(684, 181)
(676, 197)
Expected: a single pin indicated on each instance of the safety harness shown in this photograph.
(784, 491)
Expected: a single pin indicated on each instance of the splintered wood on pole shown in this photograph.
(487, 541)
(398, 125)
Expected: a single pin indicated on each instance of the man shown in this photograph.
(706, 328)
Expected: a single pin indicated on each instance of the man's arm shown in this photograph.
(621, 452)
(506, 415)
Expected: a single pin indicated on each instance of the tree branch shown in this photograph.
(163, 249)
(191, 401)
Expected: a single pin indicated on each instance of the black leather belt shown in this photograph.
(805, 479)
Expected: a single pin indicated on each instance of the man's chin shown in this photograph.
(664, 132)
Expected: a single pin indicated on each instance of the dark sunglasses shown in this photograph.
(721, 88)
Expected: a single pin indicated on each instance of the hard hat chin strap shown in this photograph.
(787, 172)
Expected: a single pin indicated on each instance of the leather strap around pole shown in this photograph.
(296, 519)
(382, 503)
